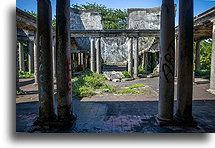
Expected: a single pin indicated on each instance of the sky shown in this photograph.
(199, 5)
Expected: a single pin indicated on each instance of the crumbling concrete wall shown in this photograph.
(114, 50)
(144, 18)
(85, 20)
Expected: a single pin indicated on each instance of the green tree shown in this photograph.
(113, 18)
(205, 54)
(35, 15)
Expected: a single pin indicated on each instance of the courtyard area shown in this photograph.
(118, 113)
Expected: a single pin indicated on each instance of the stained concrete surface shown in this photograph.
(118, 114)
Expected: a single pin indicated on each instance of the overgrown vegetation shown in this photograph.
(35, 15)
(24, 74)
(205, 58)
(141, 70)
(113, 18)
(127, 74)
(86, 84)
(133, 89)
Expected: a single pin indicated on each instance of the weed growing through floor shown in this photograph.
(24, 74)
(86, 84)
(136, 86)
(127, 74)
(132, 89)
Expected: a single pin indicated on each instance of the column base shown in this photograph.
(180, 121)
(164, 122)
(55, 123)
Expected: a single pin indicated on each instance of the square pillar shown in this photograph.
(197, 60)
(98, 56)
(30, 57)
(21, 57)
(35, 58)
(92, 55)
(212, 77)
(130, 55)
(136, 56)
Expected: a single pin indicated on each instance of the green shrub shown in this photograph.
(86, 91)
(203, 74)
(24, 74)
(86, 84)
(141, 70)
(126, 74)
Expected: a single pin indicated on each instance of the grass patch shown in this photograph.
(24, 74)
(86, 84)
(136, 86)
(130, 91)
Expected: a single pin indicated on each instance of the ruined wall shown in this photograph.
(114, 50)
(85, 20)
(144, 18)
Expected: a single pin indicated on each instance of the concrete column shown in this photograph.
(17, 69)
(176, 56)
(185, 62)
(64, 84)
(35, 58)
(21, 57)
(212, 78)
(167, 63)
(84, 61)
(45, 73)
(98, 56)
(197, 60)
(92, 55)
(76, 60)
(30, 57)
(130, 55)
(136, 57)
(54, 57)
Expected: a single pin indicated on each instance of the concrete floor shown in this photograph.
(118, 114)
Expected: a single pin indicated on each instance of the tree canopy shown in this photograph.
(113, 18)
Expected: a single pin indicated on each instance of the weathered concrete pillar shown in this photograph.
(64, 84)
(185, 62)
(54, 57)
(130, 55)
(92, 55)
(167, 63)
(212, 78)
(30, 57)
(98, 56)
(84, 61)
(136, 57)
(35, 59)
(176, 56)
(45, 73)
(75, 60)
(21, 57)
(197, 60)
(17, 69)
